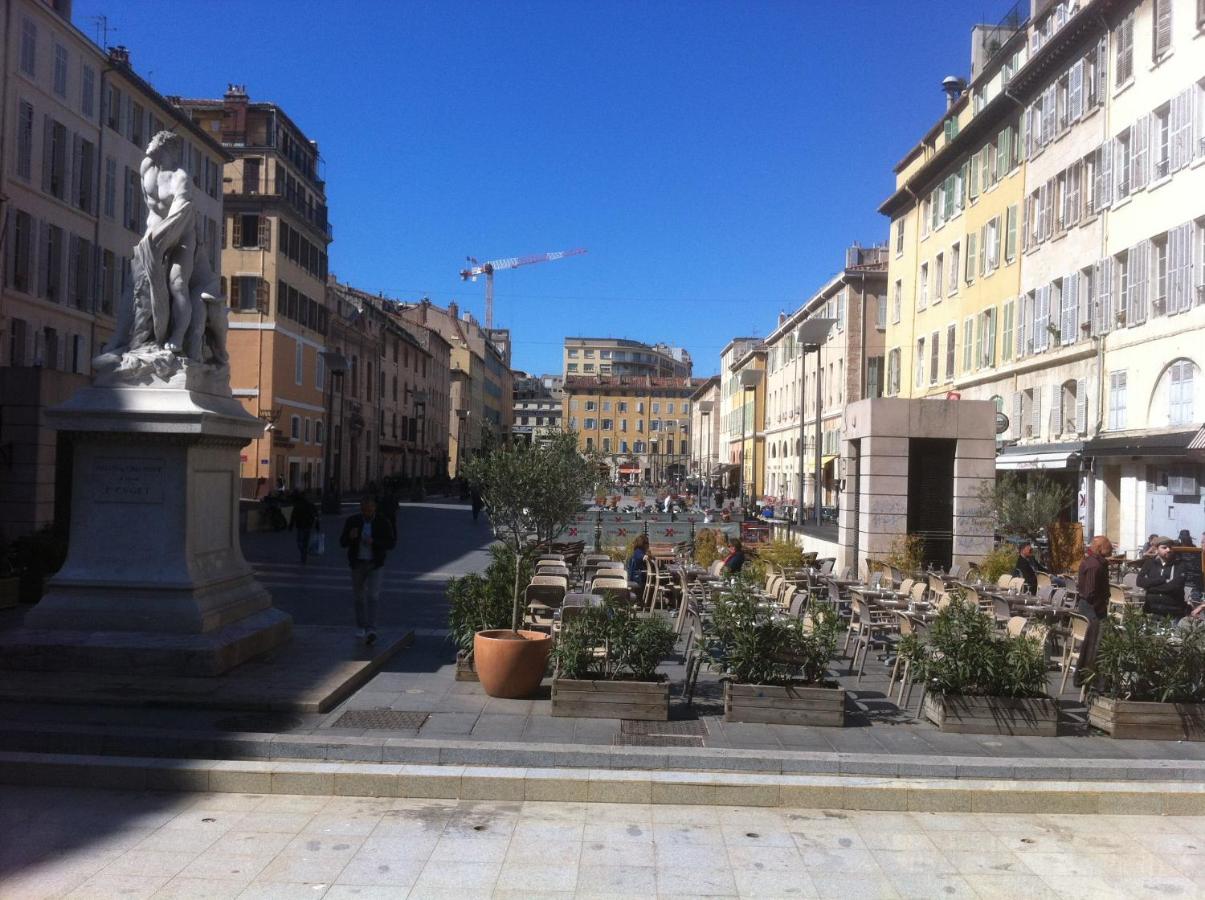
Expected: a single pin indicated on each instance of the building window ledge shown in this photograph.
(1122, 88)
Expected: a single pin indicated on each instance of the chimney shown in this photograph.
(453, 310)
(953, 86)
(119, 55)
(234, 114)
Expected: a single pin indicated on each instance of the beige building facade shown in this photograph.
(619, 356)
(705, 431)
(76, 122)
(274, 240)
(742, 410)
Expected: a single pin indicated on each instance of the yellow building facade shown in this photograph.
(956, 232)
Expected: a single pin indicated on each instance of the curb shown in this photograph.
(603, 786)
(332, 748)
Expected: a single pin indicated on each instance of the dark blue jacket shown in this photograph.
(383, 538)
(637, 573)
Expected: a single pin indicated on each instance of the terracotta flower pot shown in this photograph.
(511, 664)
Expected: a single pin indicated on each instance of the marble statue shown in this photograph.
(174, 314)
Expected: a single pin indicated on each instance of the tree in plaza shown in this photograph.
(1023, 506)
(532, 493)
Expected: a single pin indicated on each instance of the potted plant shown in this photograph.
(1148, 679)
(605, 665)
(775, 669)
(531, 493)
(978, 680)
(481, 603)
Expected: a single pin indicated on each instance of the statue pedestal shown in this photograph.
(155, 579)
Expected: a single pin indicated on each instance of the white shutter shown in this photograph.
(1029, 131)
(1070, 325)
(1035, 420)
(1075, 91)
(1180, 129)
(1084, 310)
(1163, 26)
(1104, 175)
(1017, 414)
(1104, 295)
(1139, 257)
(1021, 317)
(1081, 405)
(1139, 140)
(1041, 317)
(1056, 410)
(1179, 268)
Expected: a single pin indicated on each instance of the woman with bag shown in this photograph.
(305, 523)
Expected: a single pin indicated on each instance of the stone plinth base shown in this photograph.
(155, 580)
(147, 653)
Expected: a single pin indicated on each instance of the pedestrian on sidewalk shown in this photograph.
(1093, 603)
(304, 521)
(368, 536)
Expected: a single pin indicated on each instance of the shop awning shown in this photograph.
(1198, 440)
(1146, 443)
(1064, 458)
(627, 468)
(825, 460)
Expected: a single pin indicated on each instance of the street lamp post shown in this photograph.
(336, 364)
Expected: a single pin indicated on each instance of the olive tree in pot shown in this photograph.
(1148, 678)
(775, 669)
(531, 493)
(482, 602)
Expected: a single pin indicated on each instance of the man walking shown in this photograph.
(367, 536)
(1093, 584)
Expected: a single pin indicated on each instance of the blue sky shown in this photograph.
(714, 158)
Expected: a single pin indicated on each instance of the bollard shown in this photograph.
(598, 533)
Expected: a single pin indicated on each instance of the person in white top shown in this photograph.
(367, 536)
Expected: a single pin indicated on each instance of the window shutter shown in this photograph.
(1104, 175)
(261, 296)
(1035, 420)
(982, 249)
(1028, 131)
(973, 185)
(1004, 153)
(1070, 324)
(990, 356)
(1017, 414)
(1081, 406)
(1163, 27)
(1056, 410)
(1075, 91)
(1179, 268)
(1020, 321)
(1010, 239)
(235, 292)
(1138, 154)
(236, 236)
(1083, 319)
(47, 155)
(1180, 128)
(265, 233)
(1139, 257)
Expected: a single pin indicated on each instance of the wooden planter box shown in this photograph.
(778, 705)
(1155, 721)
(648, 700)
(464, 668)
(1037, 716)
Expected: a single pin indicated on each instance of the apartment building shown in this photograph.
(1086, 344)
(481, 387)
(618, 356)
(640, 424)
(742, 408)
(389, 408)
(705, 446)
(848, 363)
(539, 401)
(274, 239)
(76, 121)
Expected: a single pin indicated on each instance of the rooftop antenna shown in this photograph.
(102, 29)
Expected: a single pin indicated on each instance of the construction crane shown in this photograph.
(513, 262)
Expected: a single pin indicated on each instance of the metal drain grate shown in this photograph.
(657, 740)
(681, 727)
(384, 719)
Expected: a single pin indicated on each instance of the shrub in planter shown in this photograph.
(979, 680)
(620, 682)
(1001, 561)
(775, 668)
(782, 554)
(482, 602)
(1148, 678)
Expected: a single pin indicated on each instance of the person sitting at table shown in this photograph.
(1162, 577)
(637, 571)
(736, 559)
(1148, 549)
(1028, 567)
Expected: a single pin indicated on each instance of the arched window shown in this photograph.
(1174, 399)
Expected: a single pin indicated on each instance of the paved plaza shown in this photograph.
(96, 844)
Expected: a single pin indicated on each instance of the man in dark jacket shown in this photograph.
(304, 521)
(1093, 586)
(368, 536)
(1028, 567)
(1162, 577)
